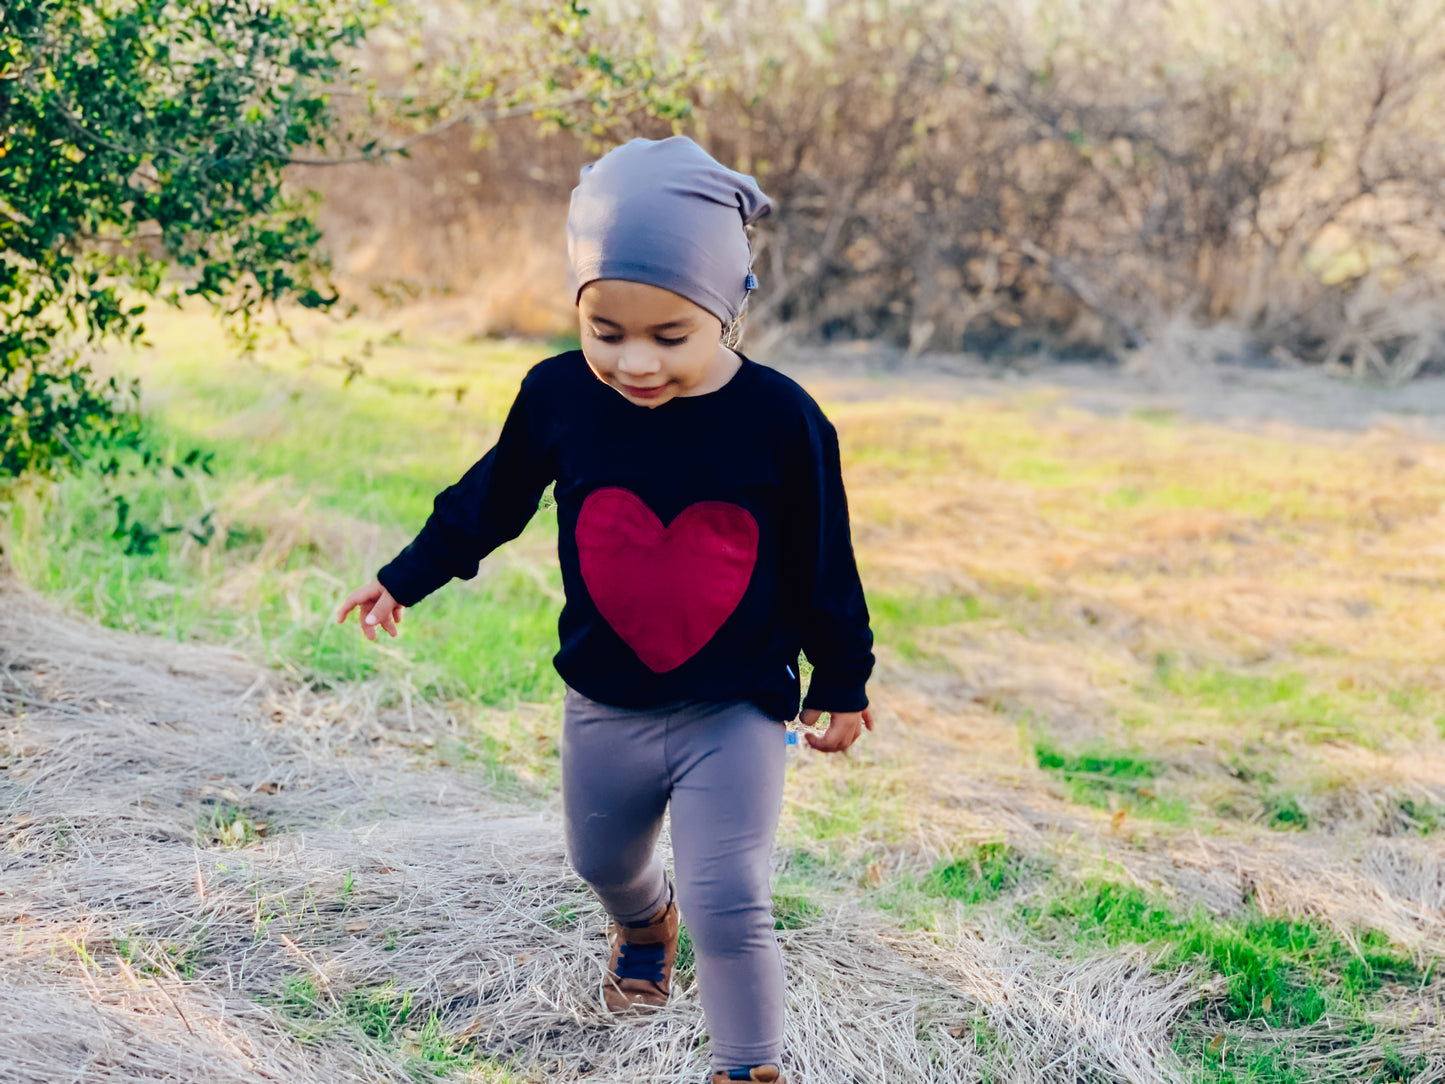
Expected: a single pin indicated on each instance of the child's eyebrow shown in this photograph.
(655, 327)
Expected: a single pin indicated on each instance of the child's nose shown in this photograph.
(638, 361)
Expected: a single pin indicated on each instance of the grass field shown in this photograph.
(1146, 685)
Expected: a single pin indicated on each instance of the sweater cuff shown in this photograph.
(828, 694)
(410, 581)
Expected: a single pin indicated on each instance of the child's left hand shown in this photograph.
(844, 727)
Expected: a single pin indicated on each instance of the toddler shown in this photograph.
(703, 540)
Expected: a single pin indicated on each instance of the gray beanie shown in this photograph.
(666, 213)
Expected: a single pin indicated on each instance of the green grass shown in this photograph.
(1282, 971)
(975, 875)
(1111, 780)
(979, 874)
(164, 956)
(376, 448)
(904, 622)
(842, 814)
(1276, 702)
(794, 909)
(1256, 1057)
(684, 962)
(1421, 816)
(1284, 812)
(1040, 471)
(299, 499)
(388, 1017)
(486, 754)
(224, 824)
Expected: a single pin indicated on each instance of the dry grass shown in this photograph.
(151, 939)
(1138, 579)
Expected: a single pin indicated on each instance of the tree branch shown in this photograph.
(434, 131)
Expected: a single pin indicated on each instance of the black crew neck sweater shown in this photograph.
(702, 542)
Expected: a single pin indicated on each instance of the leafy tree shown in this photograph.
(137, 135)
(142, 146)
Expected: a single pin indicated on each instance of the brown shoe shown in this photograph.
(640, 970)
(770, 1074)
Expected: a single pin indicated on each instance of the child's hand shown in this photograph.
(377, 608)
(843, 728)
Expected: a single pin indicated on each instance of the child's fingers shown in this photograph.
(359, 597)
(868, 718)
(810, 717)
(826, 743)
(842, 733)
(380, 615)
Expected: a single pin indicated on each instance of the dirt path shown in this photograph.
(209, 874)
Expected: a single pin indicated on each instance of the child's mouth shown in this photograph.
(644, 393)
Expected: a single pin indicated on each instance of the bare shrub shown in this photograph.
(1006, 178)
(1065, 175)
(463, 149)
(476, 230)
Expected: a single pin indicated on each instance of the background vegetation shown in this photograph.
(1094, 179)
(1159, 698)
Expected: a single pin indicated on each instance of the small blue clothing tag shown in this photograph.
(751, 282)
(792, 737)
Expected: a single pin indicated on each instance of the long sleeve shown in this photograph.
(490, 505)
(836, 636)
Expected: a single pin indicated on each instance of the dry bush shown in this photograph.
(996, 176)
(1001, 178)
(479, 231)
(465, 138)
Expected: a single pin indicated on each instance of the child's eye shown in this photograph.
(606, 338)
(671, 342)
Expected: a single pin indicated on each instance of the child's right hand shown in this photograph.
(843, 728)
(377, 608)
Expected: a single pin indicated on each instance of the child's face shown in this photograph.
(649, 343)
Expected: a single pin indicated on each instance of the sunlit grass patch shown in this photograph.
(905, 622)
(1040, 471)
(1270, 702)
(846, 811)
(377, 446)
(267, 572)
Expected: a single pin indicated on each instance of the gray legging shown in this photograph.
(721, 766)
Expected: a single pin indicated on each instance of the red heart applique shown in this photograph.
(665, 590)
